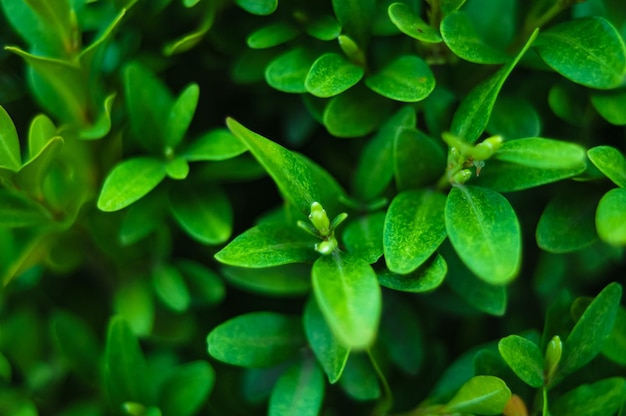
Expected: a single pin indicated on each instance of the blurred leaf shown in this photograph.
(299, 391)
(359, 378)
(258, 339)
(17, 210)
(569, 102)
(355, 17)
(537, 152)
(181, 114)
(171, 288)
(9, 143)
(610, 105)
(524, 358)
(449, 6)
(186, 389)
(78, 344)
(414, 228)
(143, 217)
(205, 286)
(324, 28)
(459, 34)
(611, 217)
(101, 126)
(271, 35)
(40, 131)
(604, 397)
(419, 160)
(363, 237)
(616, 344)
(485, 232)
(133, 301)
(355, 113)
(588, 51)
(33, 173)
(330, 353)
(129, 181)
(407, 78)
(331, 74)
(288, 72)
(285, 280)
(259, 7)
(485, 395)
(514, 118)
(188, 41)
(611, 162)
(217, 144)
(411, 24)
(402, 336)
(348, 294)
(425, 278)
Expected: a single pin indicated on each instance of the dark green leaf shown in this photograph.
(188, 41)
(610, 162)
(524, 358)
(425, 278)
(285, 280)
(363, 237)
(602, 398)
(449, 6)
(17, 210)
(472, 116)
(271, 35)
(610, 105)
(171, 288)
(331, 74)
(588, 51)
(401, 335)
(324, 28)
(348, 294)
(143, 217)
(218, 144)
(514, 118)
(611, 217)
(459, 34)
(299, 391)
(537, 152)
(359, 378)
(9, 143)
(615, 346)
(181, 114)
(288, 72)
(355, 17)
(569, 102)
(411, 24)
(407, 78)
(485, 395)
(133, 301)
(186, 389)
(260, 7)
(203, 212)
(330, 353)
(355, 113)
(485, 232)
(205, 286)
(77, 343)
(419, 160)
(258, 339)
(414, 228)
(129, 181)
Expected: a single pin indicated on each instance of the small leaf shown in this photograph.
(363, 237)
(604, 397)
(186, 389)
(177, 168)
(143, 217)
(425, 278)
(401, 335)
(610, 162)
(205, 286)
(524, 358)
(133, 301)
(217, 144)
(611, 217)
(355, 17)
(288, 72)
(271, 35)
(9, 143)
(359, 379)
(258, 7)
(129, 181)
(355, 113)
(348, 294)
(267, 245)
(610, 105)
(188, 41)
(450, 6)
(485, 232)
(414, 228)
(258, 339)
(407, 79)
(101, 126)
(299, 391)
(485, 395)
(330, 353)
(461, 37)
(419, 160)
(537, 152)
(16, 210)
(181, 114)
(40, 132)
(285, 280)
(411, 24)
(514, 118)
(171, 288)
(324, 28)
(33, 173)
(331, 74)
(588, 51)
(77, 343)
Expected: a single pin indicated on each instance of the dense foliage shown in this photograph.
(312, 207)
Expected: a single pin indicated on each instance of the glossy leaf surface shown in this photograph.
(259, 7)
(364, 235)
(271, 35)
(604, 397)
(611, 162)
(611, 217)
(407, 79)
(218, 144)
(425, 278)
(288, 72)
(537, 152)
(181, 114)
(331, 74)
(9, 143)
(411, 24)
(355, 113)
(461, 37)
(524, 358)
(486, 395)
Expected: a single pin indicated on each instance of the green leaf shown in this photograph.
(216, 144)
(485, 395)
(616, 344)
(16, 210)
(258, 7)
(331, 74)
(177, 168)
(459, 34)
(449, 6)
(324, 28)
(514, 118)
(9, 143)
(33, 173)
(414, 228)
(133, 301)
(355, 113)
(77, 343)
(485, 232)
(524, 358)
(205, 286)
(129, 181)
(363, 237)
(537, 152)
(587, 51)
(425, 278)
(355, 17)
(330, 353)
(271, 35)
(610, 104)
(171, 288)
(591, 331)
(143, 217)
(348, 294)
(611, 217)
(269, 244)
(288, 72)
(611, 162)
(101, 126)
(203, 212)
(419, 160)
(359, 379)
(601, 398)
(285, 280)
(40, 132)
(186, 389)
(567, 224)
(472, 116)
(124, 365)
(181, 114)
(188, 41)
(258, 339)
(411, 24)
(401, 335)
(299, 391)
(407, 78)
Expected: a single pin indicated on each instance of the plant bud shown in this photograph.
(319, 219)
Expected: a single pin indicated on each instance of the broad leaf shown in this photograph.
(217, 144)
(418, 159)
(143, 217)
(186, 389)
(33, 173)
(171, 288)
(485, 395)
(425, 278)
(331, 74)
(299, 391)
(271, 35)
(485, 232)
(9, 143)
(588, 51)
(363, 237)
(355, 113)
(411, 24)
(330, 353)
(604, 397)
(459, 34)
(407, 79)
(359, 379)
(129, 181)
(181, 114)
(355, 17)
(259, 7)
(258, 339)
(348, 294)
(17, 210)
(40, 132)
(537, 152)
(288, 72)
(285, 280)
(414, 228)
(450, 6)
(610, 104)
(611, 217)
(524, 358)
(611, 162)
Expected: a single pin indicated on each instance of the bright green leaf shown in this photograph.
(461, 37)
(355, 113)
(364, 235)
(407, 78)
(610, 105)
(33, 173)
(259, 7)
(324, 28)
(425, 278)
(171, 288)
(288, 72)
(16, 210)
(177, 168)
(611, 162)
(485, 232)
(133, 301)
(411, 24)
(129, 181)
(601, 398)
(299, 391)
(258, 339)
(331, 74)
(217, 144)
(271, 35)
(9, 143)
(611, 217)
(348, 294)
(40, 132)
(101, 126)
(181, 114)
(485, 395)
(418, 159)
(537, 152)
(186, 389)
(524, 358)
(286, 280)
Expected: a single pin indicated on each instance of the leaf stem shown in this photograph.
(386, 402)
(545, 411)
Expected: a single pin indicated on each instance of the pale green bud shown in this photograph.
(487, 148)
(326, 246)
(553, 357)
(319, 219)
(461, 176)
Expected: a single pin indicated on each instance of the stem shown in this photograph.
(385, 404)
(545, 411)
